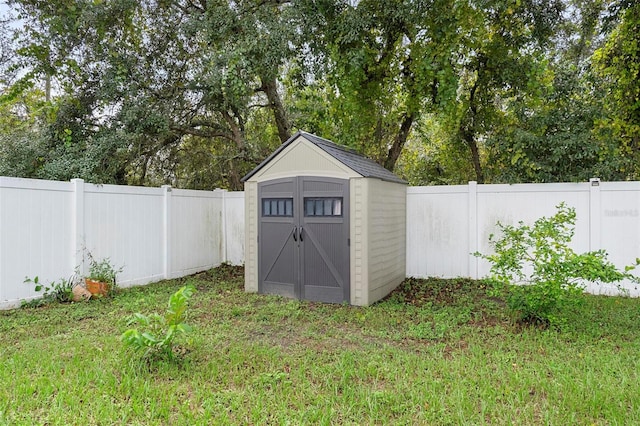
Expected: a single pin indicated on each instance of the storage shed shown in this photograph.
(323, 223)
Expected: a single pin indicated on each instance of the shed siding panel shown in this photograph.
(358, 235)
(387, 237)
(251, 237)
(303, 158)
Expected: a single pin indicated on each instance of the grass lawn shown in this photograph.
(436, 352)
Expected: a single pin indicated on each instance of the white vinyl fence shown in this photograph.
(446, 224)
(47, 228)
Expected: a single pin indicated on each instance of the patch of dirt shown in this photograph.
(224, 272)
(438, 291)
(468, 295)
(231, 276)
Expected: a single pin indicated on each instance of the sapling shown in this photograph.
(160, 331)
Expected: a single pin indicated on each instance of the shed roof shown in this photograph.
(350, 158)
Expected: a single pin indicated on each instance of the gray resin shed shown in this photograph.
(323, 223)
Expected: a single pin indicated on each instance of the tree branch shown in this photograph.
(200, 133)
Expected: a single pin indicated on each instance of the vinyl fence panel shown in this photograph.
(48, 229)
(510, 204)
(234, 227)
(437, 231)
(35, 235)
(125, 224)
(618, 215)
(196, 231)
(446, 225)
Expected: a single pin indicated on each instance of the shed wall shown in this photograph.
(378, 239)
(302, 158)
(251, 237)
(386, 228)
(358, 234)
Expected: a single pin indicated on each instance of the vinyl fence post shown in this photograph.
(595, 219)
(77, 227)
(473, 229)
(166, 231)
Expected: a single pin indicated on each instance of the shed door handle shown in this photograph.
(301, 239)
(295, 233)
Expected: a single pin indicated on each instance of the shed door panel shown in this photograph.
(325, 237)
(278, 252)
(305, 254)
(278, 255)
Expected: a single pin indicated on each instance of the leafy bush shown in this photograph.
(161, 331)
(558, 275)
(57, 291)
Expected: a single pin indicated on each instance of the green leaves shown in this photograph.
(197, 93)
(538, 272)
(618, 62)
(161, 331)
(58, 291)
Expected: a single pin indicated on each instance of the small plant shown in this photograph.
(102, 271)
(557, 276)
(161, 331)
(57, 291)
(102, 276)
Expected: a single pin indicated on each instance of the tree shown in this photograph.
(558, 134)
(433, 156)
(618, 63)
(196, 93)
(553, 138)
(157, 75)
(501, 61)
(383, 64)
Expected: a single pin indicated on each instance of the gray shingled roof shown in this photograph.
(356, 162)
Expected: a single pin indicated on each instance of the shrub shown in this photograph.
(557, 275)
(161, 331)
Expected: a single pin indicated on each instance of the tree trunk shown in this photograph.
(399, 141)
(47, 88)
(470, 140)
(468, 135)
(235, 182)
(467, 129)
(270, 88)
(237, 131)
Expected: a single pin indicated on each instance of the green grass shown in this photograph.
(435, 352)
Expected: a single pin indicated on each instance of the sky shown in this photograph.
(4, 11)
(3, 8)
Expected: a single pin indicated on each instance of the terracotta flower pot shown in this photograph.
(97, 287)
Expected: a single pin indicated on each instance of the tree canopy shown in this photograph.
(195, 93)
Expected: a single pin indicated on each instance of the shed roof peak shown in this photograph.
(357, 162)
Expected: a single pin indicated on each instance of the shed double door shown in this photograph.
(303, 238)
